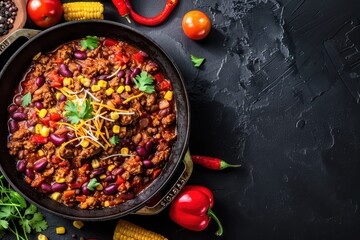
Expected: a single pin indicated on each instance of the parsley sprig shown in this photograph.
(197, 60)
(93, 183)
(73, 113)
(90, 42)
(26, 99)
(114, 140)
(16, 215)
(144, 82)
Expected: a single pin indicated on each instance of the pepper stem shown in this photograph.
(224, 165)
(211, 214)
(127, 18)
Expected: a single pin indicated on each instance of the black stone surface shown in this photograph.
(279, 94)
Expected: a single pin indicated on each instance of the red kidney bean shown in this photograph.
(20, 166)
(85, 190)
(141, 151)
(164, 112)
(118, 171)
(58, 187)
(111, 189)
(62, 98)
(40, 165)
(135, 72)
(39, 105)
(78, 67)
(102, 77)
(149, 146)
(147, 163)
(97, 171)
(18, 116)
(12, 108)
(13, 126)
(39, 81)
(81, 55)
(46, 187)
(109, 179)
(70, 136)
(29, 173)
(57, 140)
(21, 154)
(127, 196)
(64, 71)
(30, 123)
(18, 100)
(128, 72)
(127, 80)
(121, 74)
(151, 156)
(153, 64)
(144, 54)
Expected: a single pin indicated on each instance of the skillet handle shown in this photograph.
(28, 33)
(173, 192)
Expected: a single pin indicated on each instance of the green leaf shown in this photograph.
(197, 60)
(41, 226)
(25, 223)
(17, 198)
(114, 140)
(26, 99)
(92, 184)
(4, 224)
(37, 222)
(73, 113)
(30, 210)
(144, 82)
(90, 42)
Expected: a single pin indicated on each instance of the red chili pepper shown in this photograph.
(152, 21)
(37, 138)
(191, 209)
(122, 9)
(211, 162)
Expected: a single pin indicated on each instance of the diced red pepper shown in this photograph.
(155, 173)
(45, 121)
(109, 42)
(165, 85)
(75, 185)
(159, 77)
(56, 79)
(119, 180)
(37, 138)
(55, 116)
(68, 194)
(52, 124)
(139, 57)
(81, 198)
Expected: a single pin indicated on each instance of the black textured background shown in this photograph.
(278, 93)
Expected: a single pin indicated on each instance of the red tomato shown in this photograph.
(196, 25)
(45, 13)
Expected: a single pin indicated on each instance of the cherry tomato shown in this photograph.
(196, 25)
(45, 13)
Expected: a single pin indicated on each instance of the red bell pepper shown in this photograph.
(138, 57)
(191, 209)
(37, 138)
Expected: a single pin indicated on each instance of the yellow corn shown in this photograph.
(114, 115)
(116, 128)
(95, 88)
(41, 153)
(120, 89)
(84, 81)
(169, 95)
(42, 113)
(52, 110)
(109, 91)
(38, 128)
(102, 176)
(126, 230)
(60, 230)
(99, 187)
(83, 10)
(106, 203)
(85, 144)
(78, 224)
(42, 237)
(59, 179)
(102, 83)
(45, 131)
(127, 88)
(56, 196)
(111, 167)
(124, 150)
(95, 163)
(67, 81)
(58, 95)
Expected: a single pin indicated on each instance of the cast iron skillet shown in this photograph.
(48, 40)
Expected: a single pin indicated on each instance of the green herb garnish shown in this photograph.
(26, 99)
(93, 183)
(16, 215)
(144, 82)
(73, 113)
(90, 42)
(197, 60)
(114, 140)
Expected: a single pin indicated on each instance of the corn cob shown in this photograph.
(83, 10)
(127, 231)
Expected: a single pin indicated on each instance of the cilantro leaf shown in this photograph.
(4, 224)
(92, 184)
(114, 140)
(73, 113)
(37, 222)
(90, 42)
(144, 82)
(17, 198)
(197, 60)
(26, 99)
(30, 210)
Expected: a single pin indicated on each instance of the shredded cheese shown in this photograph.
(133, 97)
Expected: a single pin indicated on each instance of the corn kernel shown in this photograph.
(78, 224)
(109, 91)
(169, 95)
(120, 89)
(114, 115)
(58, 95)
(106, 203)
(53, 110)
(124, 150)
(123, 130)
(123, 67)
(67, 81)
(111, 167)
(102, 176)
(102, 83)
(56, 196)
(59, 179)
(42, 237)
(85, 144)
(99, 187)
(116, 128)
(95, 88)
(38, 128)
(127, 88)
(95, 163)
(85, 82)
(41, 153)
(42, 113)
(45, 131)
(60, 230)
